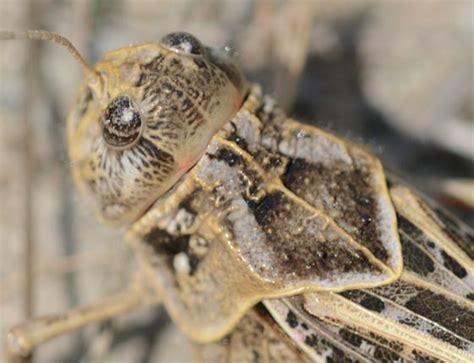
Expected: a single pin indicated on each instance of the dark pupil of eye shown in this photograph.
(183, 42)
(121, 123)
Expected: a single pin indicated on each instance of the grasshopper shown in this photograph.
(264, 238)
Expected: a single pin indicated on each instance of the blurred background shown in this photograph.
(396, 76)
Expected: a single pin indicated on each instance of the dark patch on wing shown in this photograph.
(445, 312)
(364, 299)
(415, 259)
(447, 337)
(422, 357)
(311, 340)
(344, 193)
(350, 340)
(452, 265)
(447, 317)
(353, 339)
(300, 245)
(338, 356)
(373, 303)
(409, 228)
(457, 231)
(470, 296)
(383, 354)
(319, 344)
(382, 349)
(408, 321)
(373, 346)
(291, 319)
(393, 345)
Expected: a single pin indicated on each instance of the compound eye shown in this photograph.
(183, 43)
(122, 123)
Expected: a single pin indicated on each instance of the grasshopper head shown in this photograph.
(146, 118)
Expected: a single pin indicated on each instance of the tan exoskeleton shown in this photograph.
(252, 226)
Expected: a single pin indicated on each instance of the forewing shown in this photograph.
(323, 340)
(448, 241)
(427, 315)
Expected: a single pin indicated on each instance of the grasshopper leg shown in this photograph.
(23, 338)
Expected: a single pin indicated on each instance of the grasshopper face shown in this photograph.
(150, 120)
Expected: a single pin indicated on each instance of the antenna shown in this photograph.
(58, 39)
